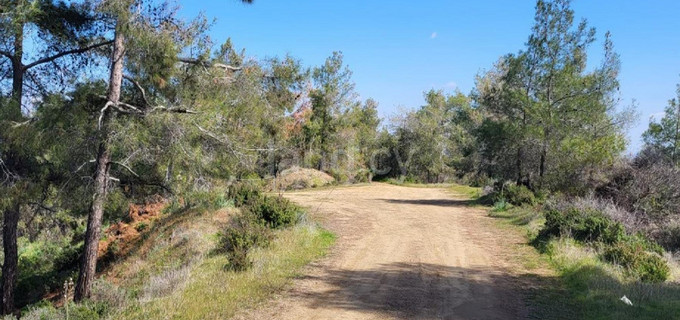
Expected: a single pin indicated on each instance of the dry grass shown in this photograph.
(165, 283)
(296, 178)
(213, 292)
(591, 289)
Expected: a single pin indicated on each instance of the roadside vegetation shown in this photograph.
(597, 257)
(207, 260)
(109, 181)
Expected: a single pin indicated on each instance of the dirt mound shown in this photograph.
(123, 233)
(296, 178)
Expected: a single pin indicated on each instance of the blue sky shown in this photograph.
(399, 49)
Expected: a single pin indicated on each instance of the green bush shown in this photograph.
(340, 176)
(140, 227)
(582, 225)
(242, 235)
(519, 195)
(500, 206)
(639, 256)
(362, 175)
(244, 194)
(632, 255)
(275, 212)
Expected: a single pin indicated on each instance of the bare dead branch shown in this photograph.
(131, 108)
(139, 87)
(65, 53)
(101, 113)
(173, 110)
(85, 163)
(126, 167)
(207, 64)
(20, 124)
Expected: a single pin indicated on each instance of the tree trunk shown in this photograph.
(518, 165)
(17, 72)
(11, 215)
(676, 142)
(88, 264)
(541, 168)
(9, 267)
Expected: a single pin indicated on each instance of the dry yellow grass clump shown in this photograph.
(296, 178)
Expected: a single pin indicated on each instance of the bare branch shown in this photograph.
(6, 54)
(139, 87)
(173, 110)
(132, 108)
(65, 53)
(20, 124)
(226, 67)
(209, 64)
(101, 113)
(82, 165)
(43, 206)
(129, 106)
(126, 167)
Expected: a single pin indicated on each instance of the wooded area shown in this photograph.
(107, 103)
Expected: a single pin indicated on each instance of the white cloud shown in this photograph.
(451, 85)
(433, 35)
(657, 116)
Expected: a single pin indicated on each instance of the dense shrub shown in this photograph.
(244, 194)
(252, 228)
(639, 256)
(275, 212)
(362, 175)
(242, 235)
(340, 176)
(582, 225)
(632, 255)
(646, 186)
(519, 195)
(669, 236)
(500, 206)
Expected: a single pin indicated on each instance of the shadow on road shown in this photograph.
(432, 202)
(427, 291)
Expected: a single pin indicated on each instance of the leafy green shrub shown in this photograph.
(242, 235)
(362, 175)
(632, 255)
(140, 227)
(244, 194)
(214, 199)
(519, 195)
(582, 225)
(476, 180)
(339, 175)
(500, 206)
(275, 212)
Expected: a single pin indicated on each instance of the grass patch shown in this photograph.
(472, 192)
(587, 287)
(214, 292)
(594, 288)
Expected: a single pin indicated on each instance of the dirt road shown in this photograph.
(405, 253)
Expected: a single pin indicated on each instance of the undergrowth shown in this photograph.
(594, 277)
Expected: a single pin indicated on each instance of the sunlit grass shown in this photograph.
(587, 287)
(472, 192)
(213, 292)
